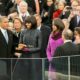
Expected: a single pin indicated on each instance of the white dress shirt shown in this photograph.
(5, 34)
(39, 27)
(78, 19)
(67, 41)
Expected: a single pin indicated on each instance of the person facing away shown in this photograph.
(68, 48)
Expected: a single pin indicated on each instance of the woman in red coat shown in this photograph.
(61, 6)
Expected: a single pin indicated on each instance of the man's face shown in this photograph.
(4, 23)
(23, 8)
(74, 4)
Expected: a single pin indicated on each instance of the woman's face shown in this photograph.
(54, 28)
(61, 6)
(17, 24)
(28, 25)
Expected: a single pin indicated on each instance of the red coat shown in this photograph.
(56, 14)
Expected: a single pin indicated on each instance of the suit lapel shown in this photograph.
(9, 37)
(3, 39)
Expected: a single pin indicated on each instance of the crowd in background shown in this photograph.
(20, 16)
(39, 28)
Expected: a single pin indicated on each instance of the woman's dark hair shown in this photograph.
(77, 29)
(59, 24)
(31, 19)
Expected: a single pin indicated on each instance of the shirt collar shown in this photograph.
(67, 41)
(25, 14)
(39, 27)
(3, 30)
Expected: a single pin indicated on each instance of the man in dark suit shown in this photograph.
(68, 48)
(75, 22)
(74, 16)
(45, 32)
(6, 39)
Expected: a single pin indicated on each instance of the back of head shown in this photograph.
(67, 34)
(77, 29)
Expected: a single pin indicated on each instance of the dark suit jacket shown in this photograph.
(61, 63)
(45, 32)
(78, 45)
(73, 23)
(67, 49)
(5, 49)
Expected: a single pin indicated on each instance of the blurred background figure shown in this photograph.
(15, 6)
(34, 5)
(3, 4)
(60, 7)
(23, 6)
(75, 18)
(45, 32)
(77, 37)
(47, 12)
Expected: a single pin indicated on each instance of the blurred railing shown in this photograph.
(62, 68)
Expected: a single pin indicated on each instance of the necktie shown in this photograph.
(23, 17)
(6, 36)
(17, 34)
